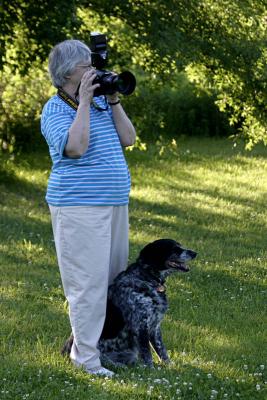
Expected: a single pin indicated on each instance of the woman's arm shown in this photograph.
(122, 123)
(79, 132)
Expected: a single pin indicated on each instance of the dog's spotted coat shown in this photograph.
(137, 303)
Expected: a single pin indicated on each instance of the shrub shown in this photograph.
(173, 109)
(176, 109)
(22, 98)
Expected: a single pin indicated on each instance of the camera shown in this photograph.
(110, 82)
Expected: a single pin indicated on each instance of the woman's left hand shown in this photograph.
(112, 98)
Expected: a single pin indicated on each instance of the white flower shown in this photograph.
(258, 387)
(165, 380)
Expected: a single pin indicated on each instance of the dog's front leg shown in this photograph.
(144, 349)
(158, 345)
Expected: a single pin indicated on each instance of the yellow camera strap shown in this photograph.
(74, 103)
(67, 99)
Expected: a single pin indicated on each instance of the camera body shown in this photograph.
(110, 82)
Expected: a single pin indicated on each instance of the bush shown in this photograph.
(176, 109)
(21, 103)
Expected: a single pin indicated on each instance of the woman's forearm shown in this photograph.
(79, 133)
(123, 125)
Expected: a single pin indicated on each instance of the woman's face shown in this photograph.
(78, 72)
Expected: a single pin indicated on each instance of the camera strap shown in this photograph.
(73, 103)
(67, 99)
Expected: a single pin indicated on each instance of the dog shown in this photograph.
(136, 306)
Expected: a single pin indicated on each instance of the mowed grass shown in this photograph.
(206, 194)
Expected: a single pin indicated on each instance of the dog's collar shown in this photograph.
(161, 289)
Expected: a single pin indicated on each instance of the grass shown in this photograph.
(205, 193)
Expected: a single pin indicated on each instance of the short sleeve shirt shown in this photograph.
(100, 176)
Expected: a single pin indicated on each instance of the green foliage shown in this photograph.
(173, 110)
(21, 103)
(224, 42)
(30, 27)
(226, 39)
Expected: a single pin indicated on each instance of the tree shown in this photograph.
(221, 45)
(226, 39)
(31, 27)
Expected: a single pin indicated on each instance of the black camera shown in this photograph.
(110, 82)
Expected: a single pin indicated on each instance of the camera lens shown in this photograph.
(125, 83)
(110, 83)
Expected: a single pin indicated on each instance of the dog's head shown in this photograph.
(166, 255)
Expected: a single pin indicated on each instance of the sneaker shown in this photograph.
(100, 371)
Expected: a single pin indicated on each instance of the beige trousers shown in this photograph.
(92, 249)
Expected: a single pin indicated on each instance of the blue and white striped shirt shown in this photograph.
(101, 176)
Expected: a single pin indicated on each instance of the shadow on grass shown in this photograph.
(18, 224)
(226, 235)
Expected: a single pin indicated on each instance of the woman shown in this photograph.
(88, 193)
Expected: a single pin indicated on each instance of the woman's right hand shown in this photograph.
(87, 88)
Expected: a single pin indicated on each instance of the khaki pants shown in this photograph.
(92, 249)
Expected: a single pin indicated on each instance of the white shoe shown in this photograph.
(100, 371)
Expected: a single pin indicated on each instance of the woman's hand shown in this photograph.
(122, 123)
(86, 91)
(112, 98)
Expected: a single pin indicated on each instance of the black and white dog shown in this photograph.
(137, 303)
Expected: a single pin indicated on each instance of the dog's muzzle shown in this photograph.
(180, 266)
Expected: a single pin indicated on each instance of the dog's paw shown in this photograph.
(109, 363)
(166, 361)
(148, 365)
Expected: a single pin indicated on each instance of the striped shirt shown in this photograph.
(101, 176)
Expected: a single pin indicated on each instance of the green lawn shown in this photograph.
(206, 194)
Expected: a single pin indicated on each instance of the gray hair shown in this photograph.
(64, 57)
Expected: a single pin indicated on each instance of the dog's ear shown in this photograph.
(146, 254)
(155, 253)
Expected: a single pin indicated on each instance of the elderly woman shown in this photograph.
(88, 193)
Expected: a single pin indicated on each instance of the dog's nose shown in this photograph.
(192, 253)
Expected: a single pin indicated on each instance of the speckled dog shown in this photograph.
(137, 303)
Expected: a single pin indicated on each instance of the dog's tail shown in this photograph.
(66, 349)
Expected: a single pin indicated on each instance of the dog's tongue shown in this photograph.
(178, 265)
(183, 267)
